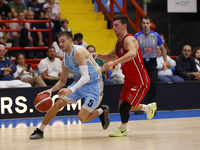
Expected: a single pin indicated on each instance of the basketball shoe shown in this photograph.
(37, 134)
(104, 117)
(150, 114)
(120, 131)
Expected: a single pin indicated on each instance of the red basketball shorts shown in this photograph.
(134, 94)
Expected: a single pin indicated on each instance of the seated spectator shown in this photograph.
(59, 52)
(25, 73)
(64, 24)
(55, 24)
(186, 66)
(55, 9)
(196, 55)
(78, 40)
(5, 11)
(166, 75)
(3, 35)
(165, 44)
(7, 68)
(101, 63)
(50, 67)
(117, 75)
(22, 38)
(17, 6)
(37, 8)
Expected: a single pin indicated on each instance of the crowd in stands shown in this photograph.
(185, 67)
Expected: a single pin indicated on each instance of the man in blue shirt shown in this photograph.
(7, 68)
(186, 66)
(148, 41)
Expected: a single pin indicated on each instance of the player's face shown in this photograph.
(118, 27)
(186, 51)
(146, 24)
(197, 54)
(20, 60)
(64, 43)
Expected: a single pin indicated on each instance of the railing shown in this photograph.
(139, 12)
(31, 30)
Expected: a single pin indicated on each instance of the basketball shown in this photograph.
(43, 102)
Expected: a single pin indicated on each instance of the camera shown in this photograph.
(28, 67)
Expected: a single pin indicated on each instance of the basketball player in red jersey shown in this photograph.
(137, 81)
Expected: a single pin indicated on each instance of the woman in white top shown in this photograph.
(196, 54)
(25, 73)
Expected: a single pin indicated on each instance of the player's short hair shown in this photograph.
(123, 19)
(147, 17)
(65, 33)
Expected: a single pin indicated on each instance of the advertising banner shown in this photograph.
(182, 6)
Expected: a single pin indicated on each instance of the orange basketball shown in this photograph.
(43, 102)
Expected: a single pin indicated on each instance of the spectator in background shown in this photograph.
(7, 68)
(25, 73)
(22, 38)
(55, 9)
(117, 75)
(165, 44)
(3, 35)
(186, 66)
(50, 67)
(59, 52)
(5, 11)
(55, 25)
(167, 75)
(196, 54)
(78, 40)
(101, 63)
(64, 23)
(37, 8)
(17, 6)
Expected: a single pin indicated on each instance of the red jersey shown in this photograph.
(134, 71)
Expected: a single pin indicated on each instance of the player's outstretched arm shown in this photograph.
(131, 45)
(106, 57)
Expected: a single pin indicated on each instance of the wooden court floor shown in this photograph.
(159, 134)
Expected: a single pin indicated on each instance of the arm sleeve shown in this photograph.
(160, 42)
(83, 80)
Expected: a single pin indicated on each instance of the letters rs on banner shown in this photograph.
(182, 6)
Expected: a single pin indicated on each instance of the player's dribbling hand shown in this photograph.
(64, 92)
(49, 91)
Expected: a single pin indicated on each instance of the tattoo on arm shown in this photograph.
(113, 55)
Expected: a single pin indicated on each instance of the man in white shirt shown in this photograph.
(50, 67)
(166, 75)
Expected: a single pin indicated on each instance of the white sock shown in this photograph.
(145, 108)
(100, 110)
(42, 126)
(124, 126)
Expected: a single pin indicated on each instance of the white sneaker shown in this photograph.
(153, 108)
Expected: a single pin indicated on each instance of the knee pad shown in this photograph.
(124, 111)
